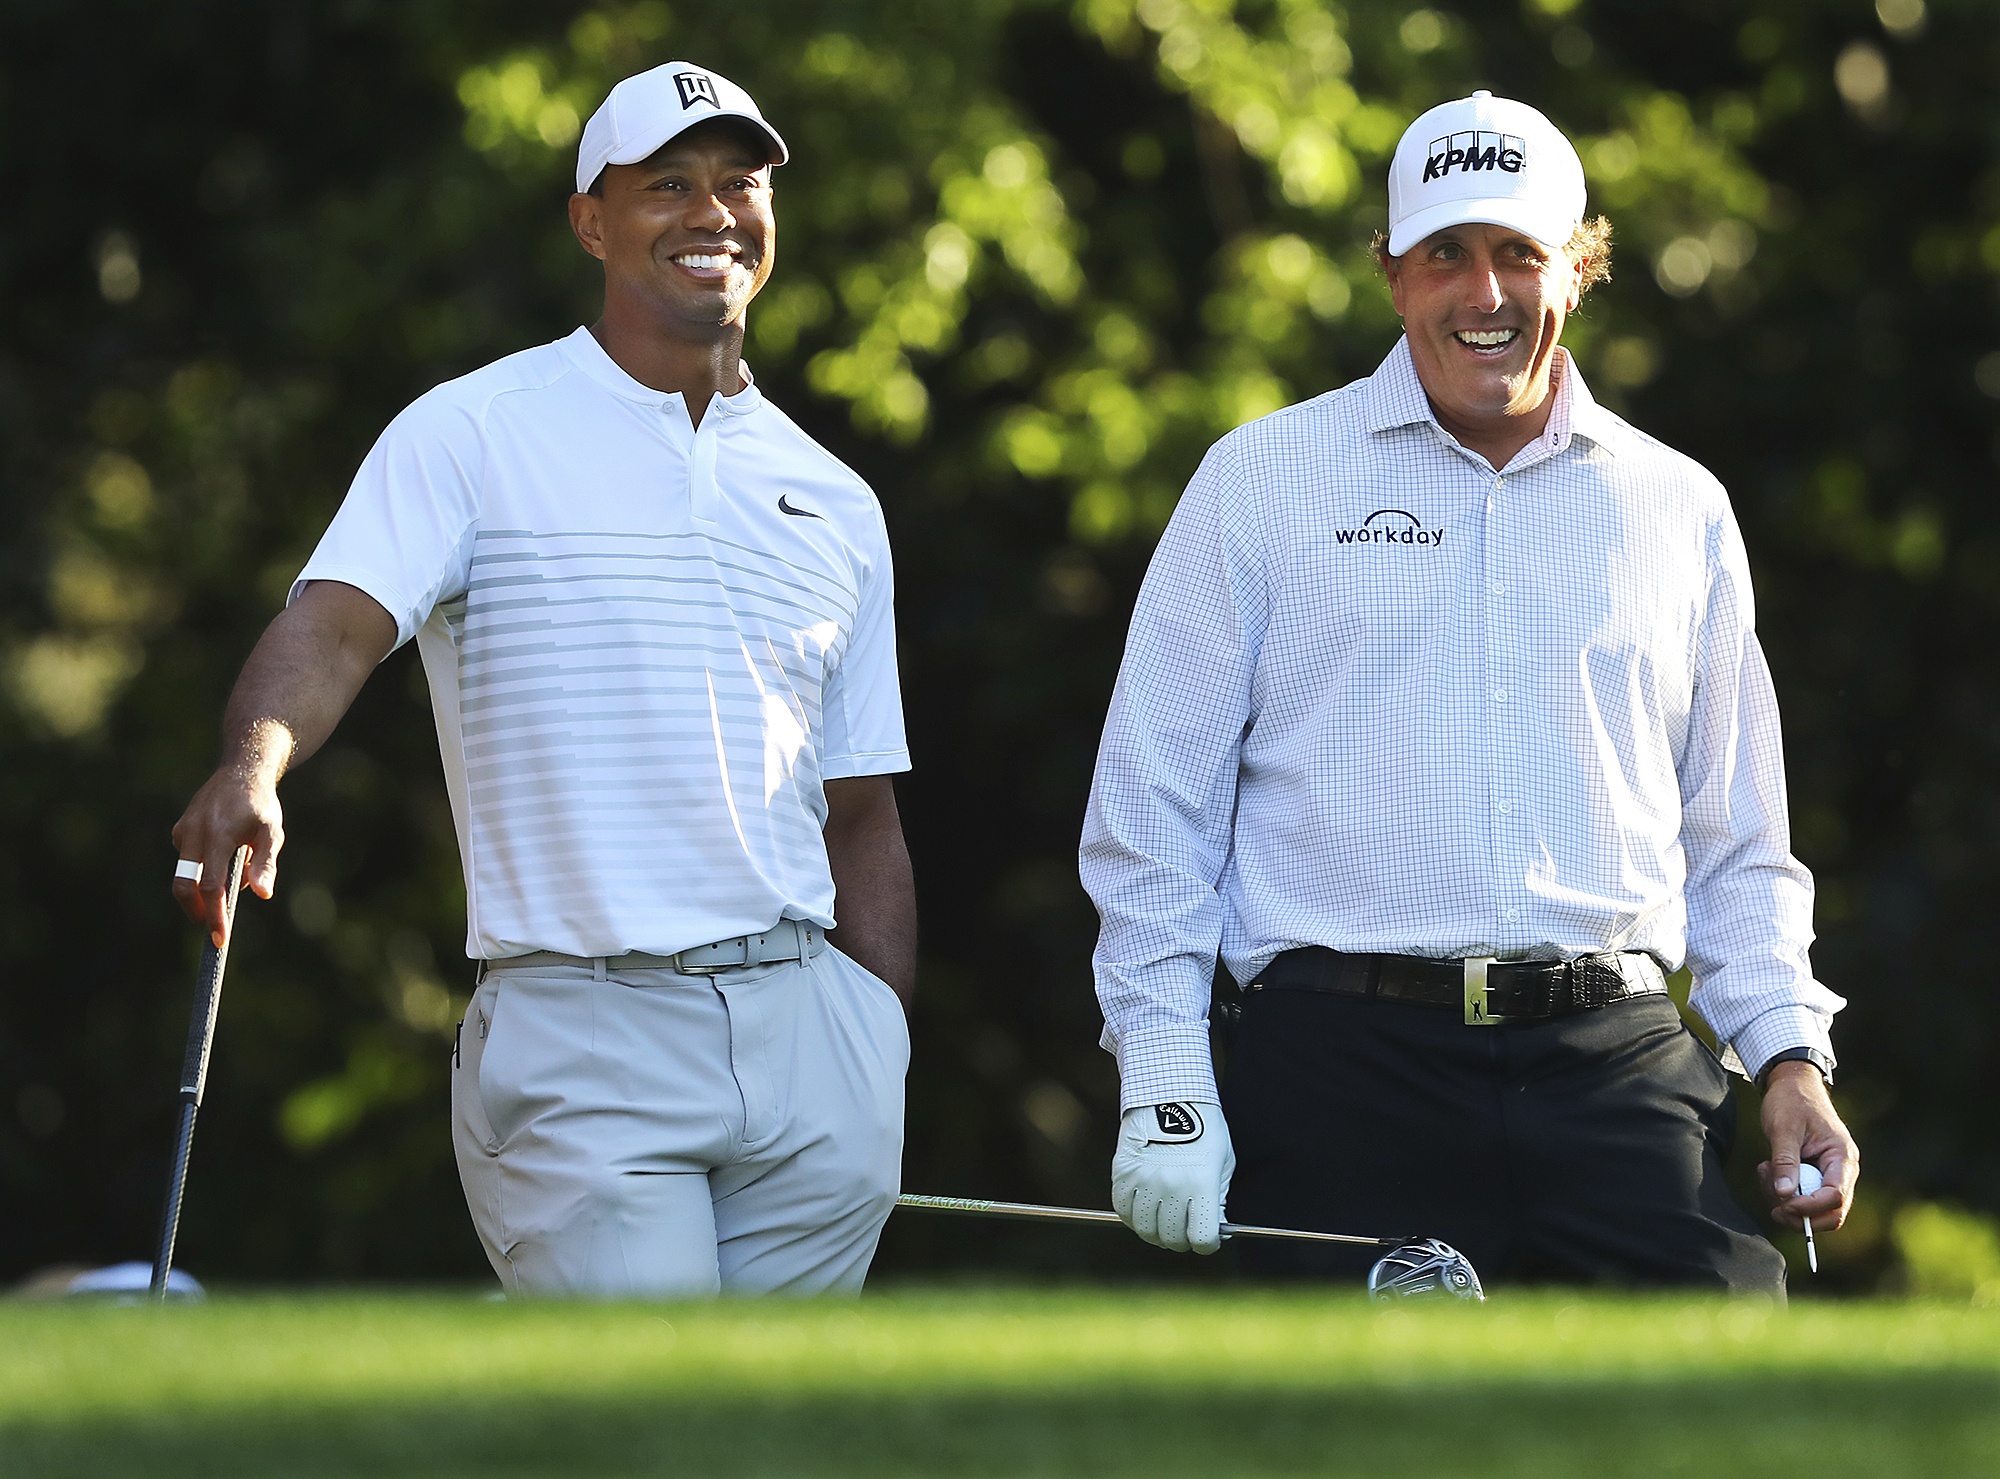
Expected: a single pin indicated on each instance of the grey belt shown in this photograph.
(788, 939)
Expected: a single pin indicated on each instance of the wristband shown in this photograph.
(1813, 1056)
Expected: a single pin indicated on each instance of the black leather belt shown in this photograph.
(1487, 990)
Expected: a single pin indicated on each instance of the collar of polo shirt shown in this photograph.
(1394, 397)
(590, 357)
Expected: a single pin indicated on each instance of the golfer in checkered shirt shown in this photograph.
(1443, 723)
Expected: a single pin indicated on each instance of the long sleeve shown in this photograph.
(1163, 799)
(1749, 900)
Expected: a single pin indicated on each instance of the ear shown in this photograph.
(586, 220)
(1392, 269)
(1577, 267)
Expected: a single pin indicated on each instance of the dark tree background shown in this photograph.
(1035, 257)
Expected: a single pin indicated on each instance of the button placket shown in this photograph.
(1489, 608)
(704, 497)
(1503, 747)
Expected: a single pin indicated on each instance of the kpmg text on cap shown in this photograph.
(1478, 150)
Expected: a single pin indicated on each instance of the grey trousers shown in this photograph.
(659, 1135)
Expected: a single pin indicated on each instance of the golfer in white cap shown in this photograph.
(1443, 722)
(657, 622)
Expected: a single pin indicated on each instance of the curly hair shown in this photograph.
(1589, 244)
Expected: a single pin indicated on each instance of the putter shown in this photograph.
(194, 1075)
(1413, 1267)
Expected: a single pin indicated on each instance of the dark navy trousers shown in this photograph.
(1587, 1148)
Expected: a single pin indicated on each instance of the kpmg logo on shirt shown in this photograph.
(1473, 151)
(1391, 528)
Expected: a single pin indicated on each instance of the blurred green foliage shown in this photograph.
(1949, 1253)
(1035, 257)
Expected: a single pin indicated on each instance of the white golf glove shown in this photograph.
(1170, 1174)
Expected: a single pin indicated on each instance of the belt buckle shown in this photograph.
(1479, 993)
(697, 968)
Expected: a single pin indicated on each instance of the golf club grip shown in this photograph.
(208, 993)
(1035, 1212)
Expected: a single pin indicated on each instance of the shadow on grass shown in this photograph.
(1916, 1424)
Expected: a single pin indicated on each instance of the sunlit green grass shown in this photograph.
(967, 1383)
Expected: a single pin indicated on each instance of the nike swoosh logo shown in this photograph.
(798, 513)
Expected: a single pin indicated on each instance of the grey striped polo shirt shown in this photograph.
(648, 645)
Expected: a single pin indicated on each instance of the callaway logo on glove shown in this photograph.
(1170, 1174)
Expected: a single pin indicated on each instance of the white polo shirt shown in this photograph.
(648, 646)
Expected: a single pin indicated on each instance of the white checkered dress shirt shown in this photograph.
(1378, 697)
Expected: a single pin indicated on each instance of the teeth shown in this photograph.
(704, 261)
(1488, 338)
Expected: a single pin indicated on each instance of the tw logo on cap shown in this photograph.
(1477, 150)
(698, 87)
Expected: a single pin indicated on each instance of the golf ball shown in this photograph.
(1810, 1180)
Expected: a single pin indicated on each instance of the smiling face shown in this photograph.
(687, 237)
(1484, 308)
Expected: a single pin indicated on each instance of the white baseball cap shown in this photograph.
(645, 111)
(1485, 159)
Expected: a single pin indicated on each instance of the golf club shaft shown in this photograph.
(194, 1074)
(1034, 1212)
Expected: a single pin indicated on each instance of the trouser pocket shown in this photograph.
(469, 1055)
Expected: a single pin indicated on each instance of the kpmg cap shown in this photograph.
(645, 111)
(1485, 159)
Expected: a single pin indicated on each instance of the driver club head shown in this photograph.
(1429, 1269)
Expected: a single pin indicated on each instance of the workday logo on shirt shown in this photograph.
(1392, 528)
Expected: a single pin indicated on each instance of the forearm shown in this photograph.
(299, 680)
(1749, 900)
(1159, 1034)
(1153, 878)
(875, 897)
(1749, 947)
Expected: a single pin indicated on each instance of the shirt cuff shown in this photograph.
(1773, 1032)
(864, 762)
(1164, 1065)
